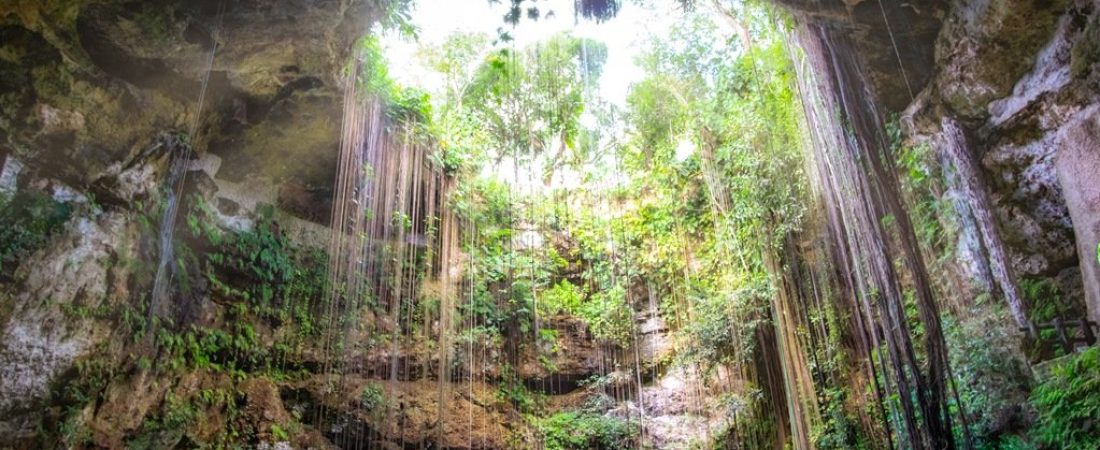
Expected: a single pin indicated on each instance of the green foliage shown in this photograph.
(81, 386)
(460, 136)
(609, 316)
(506, 275)
(27, 220)
(398, 18)
(1068, 403)
(410, 105)
(923, 186)
(739, 116)
(530, 102)
(564, 297)
(279, 433)
(266, 281)
(165, 430)
(756, 423)
(1014, 443)
(713, 339)
(512, 391)
(700, 183)
(839, 428)
(992, 378)
(372, 398)
(585, 431)
(213, 348)
(276, 279)
(374, 73)
(401, 105)
(1045, 301)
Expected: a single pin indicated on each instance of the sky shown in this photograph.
(623, 34)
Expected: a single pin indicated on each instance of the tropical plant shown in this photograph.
(27, 220)
(1068, 403)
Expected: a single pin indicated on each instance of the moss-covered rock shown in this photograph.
(986, 46)
(1086, 51)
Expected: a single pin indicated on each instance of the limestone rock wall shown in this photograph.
(90, 92)
(1022, 79)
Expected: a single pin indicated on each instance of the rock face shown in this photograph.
(675, 415)
(560, 367)
(1078, 163)
(90, 85)
(406, 414)
(90, 93)
(893, 37)
(1029, 106)
(1020, 79)
(92, 90)
(52, 324)
(98, 99)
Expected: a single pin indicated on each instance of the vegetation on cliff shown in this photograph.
(749, 249)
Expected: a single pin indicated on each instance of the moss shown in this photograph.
(372, 398)
(1086, 51)
(156, 24)
(26, 223)
(72, 394)
(52, 82)
(36, 12)
(22, 52)
(12, 54)
(1002, 44)
(55, 20)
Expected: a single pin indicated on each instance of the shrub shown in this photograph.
(575, 430)
(27, 220)
(564, 297)
(993, 378)
(1068, 404)
(1045, 301)
(608, 315)
(512, 391)
(372, 397)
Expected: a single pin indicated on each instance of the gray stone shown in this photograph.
(1078, 164)
(42, 337)
(9, 176)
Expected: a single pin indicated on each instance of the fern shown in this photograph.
(1068, 404)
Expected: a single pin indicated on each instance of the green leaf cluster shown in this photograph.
(585, 431)
(1068, 404)
(27, 220)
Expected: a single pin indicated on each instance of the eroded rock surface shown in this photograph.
(1021, 78)
(96, 98)
(52, 323)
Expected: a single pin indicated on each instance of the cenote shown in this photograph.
(549, 224)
